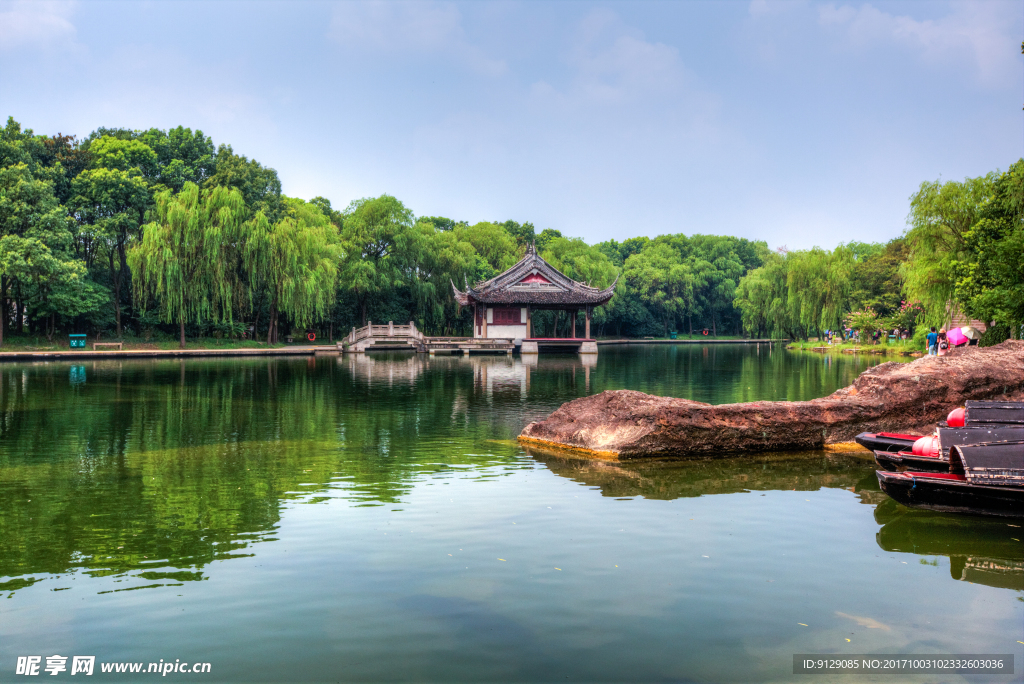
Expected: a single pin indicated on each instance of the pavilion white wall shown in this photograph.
(512, 331)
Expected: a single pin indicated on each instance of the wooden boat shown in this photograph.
(983, 479)
(994, 413)
(987, 413)
(975, 414)
(886, 441)
(933, 456)
(895, 461)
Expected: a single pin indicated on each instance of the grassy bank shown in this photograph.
(897, 348)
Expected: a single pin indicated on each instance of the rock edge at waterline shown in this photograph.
(891, 397)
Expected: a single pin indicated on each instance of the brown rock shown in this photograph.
(891, 397)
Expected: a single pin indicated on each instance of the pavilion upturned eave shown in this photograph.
(534, 283)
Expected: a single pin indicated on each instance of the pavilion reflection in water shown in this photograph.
(503, 375)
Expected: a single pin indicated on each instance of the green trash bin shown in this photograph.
(77, 341)
(673, 335)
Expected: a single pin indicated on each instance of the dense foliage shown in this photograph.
(966, 242)
(162, 233)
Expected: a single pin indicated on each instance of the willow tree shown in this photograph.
(188, 257)
(294, 263)
(819, 286)
(762, 298)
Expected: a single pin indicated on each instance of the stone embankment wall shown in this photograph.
(891, 397)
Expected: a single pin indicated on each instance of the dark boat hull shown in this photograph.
(925, 490)
(886, 441)
(892, 462)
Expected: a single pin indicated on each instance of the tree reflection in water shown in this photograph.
(155, 468)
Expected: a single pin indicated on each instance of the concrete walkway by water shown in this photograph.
(296, 350)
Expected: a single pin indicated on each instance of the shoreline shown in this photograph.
(707, 340)
(295, 350)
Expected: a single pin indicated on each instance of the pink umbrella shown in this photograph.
(956, 337)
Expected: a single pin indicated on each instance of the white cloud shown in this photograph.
(984, 33)
(25, 23)
(405, 27)
(615, 62)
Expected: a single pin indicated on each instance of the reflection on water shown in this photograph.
(981, 550)
(364, 501)
(666, 479)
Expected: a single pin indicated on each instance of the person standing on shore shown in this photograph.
(933, 342)
(943, 343)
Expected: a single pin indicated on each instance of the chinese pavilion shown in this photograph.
(503, 306)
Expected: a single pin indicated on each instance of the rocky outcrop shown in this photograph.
(891, 397)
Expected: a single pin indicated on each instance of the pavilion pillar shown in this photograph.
(586, 333)
(574, 312)
(529, 321)
(485, 322)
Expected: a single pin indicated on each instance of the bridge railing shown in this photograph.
(389, 330)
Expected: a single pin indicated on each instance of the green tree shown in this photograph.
(296, 261)
(941, 214)
(546, 236)
(492, 242)
(259, 185)
(124, 155)
(762, 297)
(380, 248)
(661, 282)
(324, 205)
(181, 156)
(583, 263)
(444, 259)
(522, 233)
(819, 287)
(876, 282)
(28, 210)
(63, 158)
(56, 286)
(989, 275)
(109, 206)
(188, 257)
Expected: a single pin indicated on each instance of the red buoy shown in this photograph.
(310, 336)
(926, 446)
(956, 417)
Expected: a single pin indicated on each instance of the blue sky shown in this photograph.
(797, 123)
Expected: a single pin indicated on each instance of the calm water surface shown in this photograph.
(372, 518)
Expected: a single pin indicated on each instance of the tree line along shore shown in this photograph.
(155, 236)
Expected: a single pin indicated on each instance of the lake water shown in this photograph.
(372, 518)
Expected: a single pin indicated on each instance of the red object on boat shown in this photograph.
(957, 477)
(898, 435)
(956, 417)
(926, 446)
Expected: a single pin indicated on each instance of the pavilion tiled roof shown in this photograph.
(508, 287)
